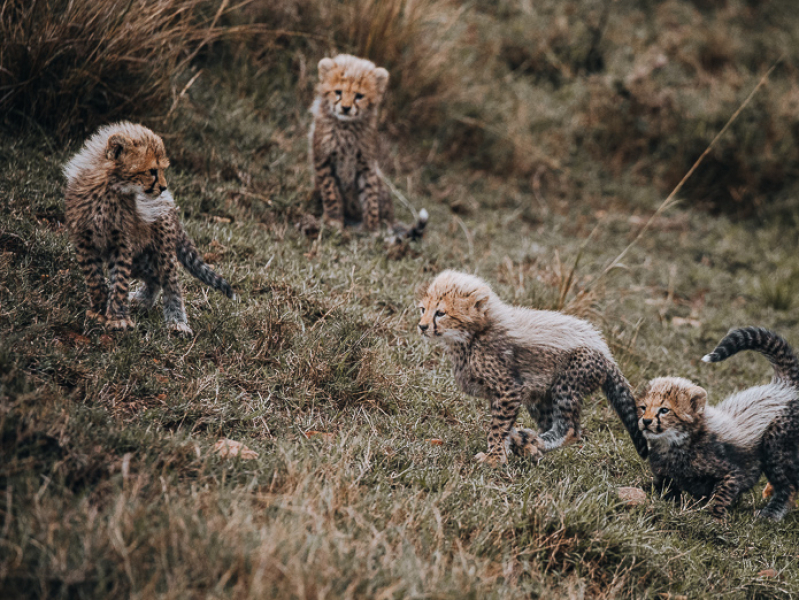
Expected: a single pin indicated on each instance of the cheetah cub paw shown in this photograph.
(120, 324)
(180, 328)
(491, 459)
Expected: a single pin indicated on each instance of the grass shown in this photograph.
(71, 66)
(110, 485)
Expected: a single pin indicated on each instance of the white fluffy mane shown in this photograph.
(742, 418)
(530, 327)
(92, 155)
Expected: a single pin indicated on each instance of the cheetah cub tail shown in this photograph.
(401, 232)
(767, 343)
(194, 263)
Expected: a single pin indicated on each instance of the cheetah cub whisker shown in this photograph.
(120, 215)
(343, 148)
(514, 356)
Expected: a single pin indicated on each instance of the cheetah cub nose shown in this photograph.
(423, 327)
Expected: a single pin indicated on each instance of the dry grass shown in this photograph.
(69, 65)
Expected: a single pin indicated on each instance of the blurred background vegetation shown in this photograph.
(521, 89)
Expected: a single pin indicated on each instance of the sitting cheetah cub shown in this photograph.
(343, 147)
(511, 356)
(120, 214)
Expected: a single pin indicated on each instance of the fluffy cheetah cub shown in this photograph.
(120, 214)
(720, 451)
(343, 146)
(511, 356)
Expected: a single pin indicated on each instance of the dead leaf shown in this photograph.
(436, 442)
(229, 448)
(218, 219)
(77, 339)
(631, 496)
(768, 573)
(212, 257)
(324, 434)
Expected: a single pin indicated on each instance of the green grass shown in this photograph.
(109, 483)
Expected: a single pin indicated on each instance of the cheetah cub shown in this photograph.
(719, 452)
(514, 356)
(120, 214)
(343, 147)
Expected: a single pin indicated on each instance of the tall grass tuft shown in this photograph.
(67, 66)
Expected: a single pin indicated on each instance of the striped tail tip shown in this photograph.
(423, 215)
(708, 358)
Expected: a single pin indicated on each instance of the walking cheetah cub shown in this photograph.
(511, 356)
(343, 147)
(719, 452)
(119, 213)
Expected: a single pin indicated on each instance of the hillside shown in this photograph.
(541, 137)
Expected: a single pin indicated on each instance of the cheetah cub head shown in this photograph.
(351, 88)
(127, 158)
(454, 307)
(670, 409)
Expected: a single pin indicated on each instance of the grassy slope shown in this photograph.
(111, 485)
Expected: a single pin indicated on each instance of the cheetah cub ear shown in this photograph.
(324, 67)
(117, 144)
(479, 298)
(692, 402)
(381, 79)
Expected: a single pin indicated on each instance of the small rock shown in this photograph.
(631, 496)
(229, 448)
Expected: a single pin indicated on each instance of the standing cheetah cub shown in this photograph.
(511, 356)
(120, 214)
(343, 146)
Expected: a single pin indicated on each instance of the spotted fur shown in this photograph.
(343, 147)
(720, 452)
(514, 356)
(120, 215)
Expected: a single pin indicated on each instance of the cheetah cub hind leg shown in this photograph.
(143, 299)
(521, 442)
(525, 442)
